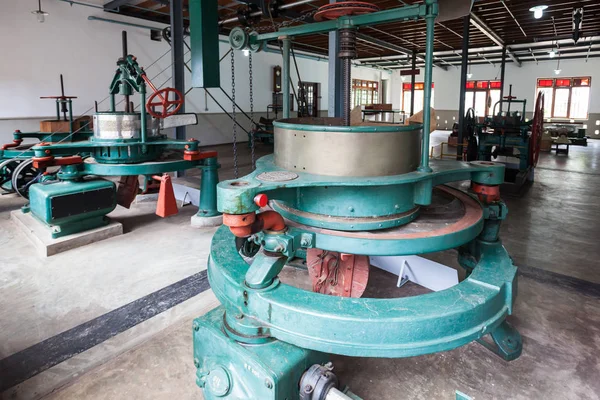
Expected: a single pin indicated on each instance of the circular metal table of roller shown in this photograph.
(344, 223)
(453, 218)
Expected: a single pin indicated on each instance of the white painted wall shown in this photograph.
(85, 52)
(523, 79)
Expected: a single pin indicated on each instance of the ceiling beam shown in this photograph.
(115, 4)
(393, 47)
(487, 31)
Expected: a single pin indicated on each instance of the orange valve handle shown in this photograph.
(161, 99)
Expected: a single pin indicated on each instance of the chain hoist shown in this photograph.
(253, 129)
(235, 161)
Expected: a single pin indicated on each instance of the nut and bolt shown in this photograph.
(268, 384)
(196, 326)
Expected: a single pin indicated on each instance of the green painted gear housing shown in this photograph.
(228, 369)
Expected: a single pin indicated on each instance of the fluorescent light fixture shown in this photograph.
(557, 71)
(538, 11)
(596, 132)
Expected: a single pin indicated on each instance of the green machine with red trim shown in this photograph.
(333, 195)
(124, 145)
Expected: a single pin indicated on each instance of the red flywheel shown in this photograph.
(537, 129)
(342, 8)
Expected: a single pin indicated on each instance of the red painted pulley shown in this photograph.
(337, 274)
(342, 8)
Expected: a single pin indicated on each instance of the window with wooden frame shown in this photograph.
(419, 96)
(482, 96)
(364, 92)
(565, 98)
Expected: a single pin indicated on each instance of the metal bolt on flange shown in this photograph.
(196, 326)
(268, 383)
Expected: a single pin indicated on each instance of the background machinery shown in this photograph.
(335, 194)
(17, 172)
(507, 133)
(124, 145)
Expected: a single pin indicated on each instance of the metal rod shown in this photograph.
(502, 70)
(430, 20)
(302, 94)
(70, 116)
(225, 111)
(124, 48)
(513, 17)
(62, 92)
(259, 13)
(412, 84)
(143, 116)
(463, 85)
(238, 107)
(356, 21)
(286, 76)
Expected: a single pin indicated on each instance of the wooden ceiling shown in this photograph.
(493, 23)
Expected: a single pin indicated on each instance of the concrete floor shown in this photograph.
(551, 232)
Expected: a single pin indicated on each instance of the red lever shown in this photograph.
(261, 200)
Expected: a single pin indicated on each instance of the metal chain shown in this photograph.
(253, 129)
(235, 160)
(283, 24)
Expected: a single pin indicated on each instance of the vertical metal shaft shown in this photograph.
(346, 54)
(463, 86)
(285, 79)
(62, 92)
(430, 19)
(124, 45)
(334, 97)
(347, 90)
(412, 83)
(502, 70)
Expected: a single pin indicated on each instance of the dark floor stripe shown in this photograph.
(567, 170)
(564, 281)
(23, 365)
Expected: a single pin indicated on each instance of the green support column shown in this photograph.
(286, 77)
(208, 215)
(430, 19)
(204, 43)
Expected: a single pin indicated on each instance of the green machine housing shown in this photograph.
(70, 206)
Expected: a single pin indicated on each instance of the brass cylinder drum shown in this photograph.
(322, 146)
